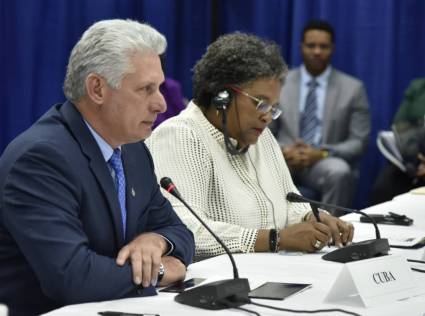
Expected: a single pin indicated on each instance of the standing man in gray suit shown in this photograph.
(325, 124)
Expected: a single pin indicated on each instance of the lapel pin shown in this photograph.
(133, 193)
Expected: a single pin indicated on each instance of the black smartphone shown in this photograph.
(181, 286)
(277, 290)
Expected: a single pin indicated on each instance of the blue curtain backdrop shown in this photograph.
(382, 42)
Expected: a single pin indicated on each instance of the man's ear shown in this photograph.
(96, 88)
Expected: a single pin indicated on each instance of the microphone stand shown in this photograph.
(215, 295)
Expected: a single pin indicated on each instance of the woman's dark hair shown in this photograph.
(235, 59)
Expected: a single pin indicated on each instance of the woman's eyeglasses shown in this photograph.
(261, 106)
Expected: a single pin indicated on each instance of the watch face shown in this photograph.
(161, 270)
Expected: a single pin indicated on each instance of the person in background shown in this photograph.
(82, 217)
(392, 181)
(173, 95)
(227, 164)
(326, 124)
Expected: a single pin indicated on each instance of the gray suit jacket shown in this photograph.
(346, 119)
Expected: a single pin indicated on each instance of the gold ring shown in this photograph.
(317, 244)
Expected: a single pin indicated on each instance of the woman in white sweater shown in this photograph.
(227, 164)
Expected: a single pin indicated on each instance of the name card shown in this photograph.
(375, 281)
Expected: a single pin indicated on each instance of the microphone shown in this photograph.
(356, 251)
(296, 198)
(215, 295)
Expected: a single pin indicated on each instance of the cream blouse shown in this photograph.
(234, 195)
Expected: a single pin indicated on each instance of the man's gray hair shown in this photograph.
(106, 49)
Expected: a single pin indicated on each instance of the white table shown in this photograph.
(283, 267)
(3, 310)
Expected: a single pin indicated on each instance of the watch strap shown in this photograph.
(274, 240)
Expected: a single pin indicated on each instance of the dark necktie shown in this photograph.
(116, 164)
(309, 121)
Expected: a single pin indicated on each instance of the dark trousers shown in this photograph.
(390, 182)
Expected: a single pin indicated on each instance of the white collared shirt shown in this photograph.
(107, 152)
(104, 147)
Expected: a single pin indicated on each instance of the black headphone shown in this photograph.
(222, 100)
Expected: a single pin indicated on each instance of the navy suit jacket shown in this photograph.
(60, 222)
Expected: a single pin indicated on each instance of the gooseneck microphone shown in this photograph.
(296, 198)
(215, 295)
(168, 185)
(356, 251)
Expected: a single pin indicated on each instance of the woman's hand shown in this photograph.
(307, 236)
(342, 232)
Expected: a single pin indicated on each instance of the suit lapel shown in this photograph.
(291, 112)
(330, 105)
(134, 190)
(98, 166)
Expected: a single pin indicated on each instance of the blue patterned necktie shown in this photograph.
(115, 163)
(309, 120)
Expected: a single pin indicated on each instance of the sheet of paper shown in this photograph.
(420, 191)
(401, 236)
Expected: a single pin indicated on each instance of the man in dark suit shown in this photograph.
(325, 126)
(82, 217)
(409, 133)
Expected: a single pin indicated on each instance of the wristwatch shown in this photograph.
(161, 273)
(274, 240)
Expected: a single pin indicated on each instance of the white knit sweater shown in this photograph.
(234, 195)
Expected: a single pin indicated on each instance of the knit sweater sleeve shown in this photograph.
(180, 152)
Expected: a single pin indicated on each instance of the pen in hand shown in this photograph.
(316, 214)
(315, 211)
